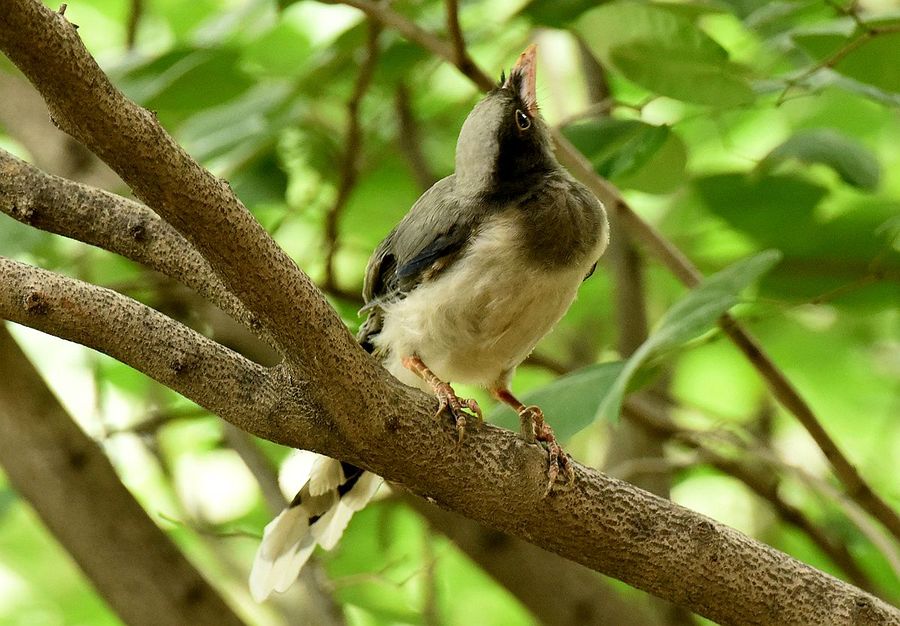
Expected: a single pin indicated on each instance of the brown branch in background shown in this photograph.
(136, 11)
(409, 139)
(868, 33)
(556, 591)
(596, 80)
(352, 154)
(23, 116)
(69, 481)
(414, 33)
(461, 58)
(762, 480)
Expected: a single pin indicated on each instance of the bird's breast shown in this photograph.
(483, 315)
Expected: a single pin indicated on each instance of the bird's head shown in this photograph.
(504, 144)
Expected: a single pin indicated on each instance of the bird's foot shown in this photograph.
(534, 428)
(448, 400)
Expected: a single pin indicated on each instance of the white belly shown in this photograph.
(475, 322)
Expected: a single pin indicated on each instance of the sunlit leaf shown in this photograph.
(694, 314)
(624, 23)
(617, 148)
(682, 74)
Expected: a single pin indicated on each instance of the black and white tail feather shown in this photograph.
(331, 493)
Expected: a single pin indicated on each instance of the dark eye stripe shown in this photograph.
(522, 120)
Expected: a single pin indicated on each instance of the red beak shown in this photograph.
(526, 67)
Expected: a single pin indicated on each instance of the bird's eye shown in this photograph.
(522, 120)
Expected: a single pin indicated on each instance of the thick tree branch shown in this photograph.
(68, 480)
(342, 404)
(244, 393)
(601, 522)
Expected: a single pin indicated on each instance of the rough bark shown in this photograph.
(332, 398)
(70, 483)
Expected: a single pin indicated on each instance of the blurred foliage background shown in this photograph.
(734, 126)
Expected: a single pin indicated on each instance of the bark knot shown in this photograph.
(24, 211)
(35, 303)
(138, 231)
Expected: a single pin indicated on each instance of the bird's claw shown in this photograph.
(534, 428)
(528, 417)
(448, 400)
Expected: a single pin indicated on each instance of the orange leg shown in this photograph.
(447, 398)
(534, 428)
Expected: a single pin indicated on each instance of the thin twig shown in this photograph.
(674, 260)
(455, 32)
(868, 34)
(352, 153)
(134, 20)
(765, 485)
(409, 139)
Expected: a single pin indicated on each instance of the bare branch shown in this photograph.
(136, 11)
(111, 222)
(409, 139)
(351, 158)
(651, 416)
(67, 478)
(602, 522)
(411, 31)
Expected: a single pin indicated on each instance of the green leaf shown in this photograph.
(623, 23)
(689, 317)
(570, 402)
(661, 49)
(282, 51)
(663, 172)
(777, 211)
(185, 81)
(617, 148)
(853, 162)
(556, 13)
(682, 74)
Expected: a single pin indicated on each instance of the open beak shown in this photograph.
(526, 67)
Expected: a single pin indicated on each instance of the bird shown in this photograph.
(483, 265)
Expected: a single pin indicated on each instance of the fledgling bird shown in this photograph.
(485, 263)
